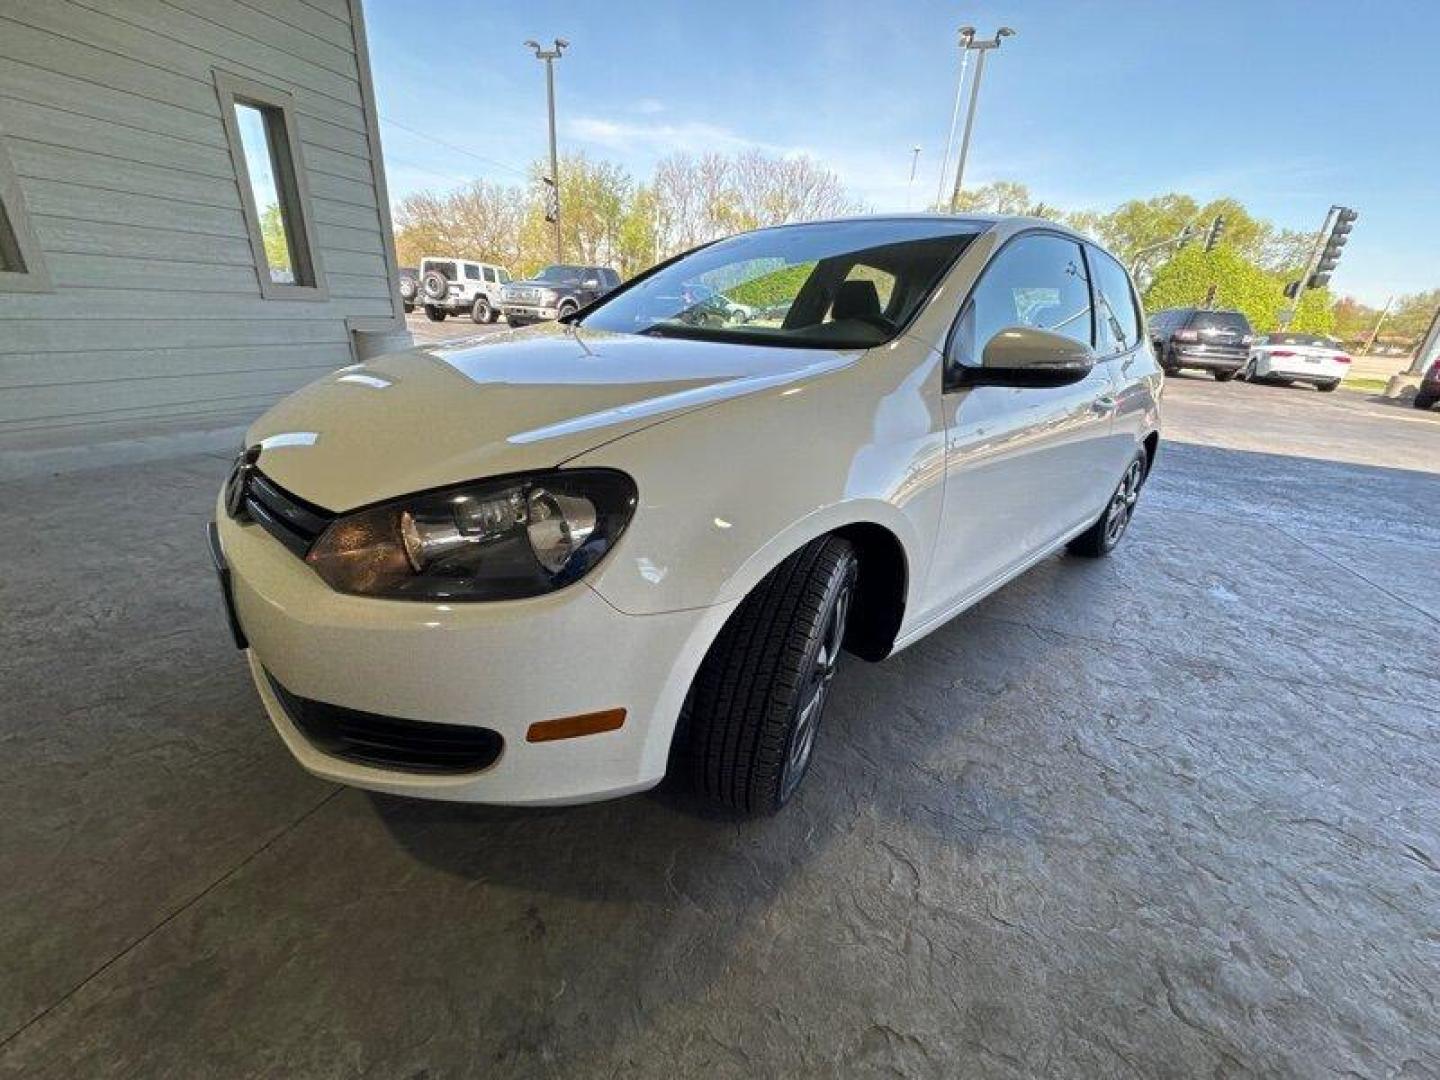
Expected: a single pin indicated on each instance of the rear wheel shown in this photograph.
(1328, 387)
(1426, 401)
(481, 311)
(1102, 537)
(756, 704)
(408, 308)
(1224, 376)
(434, 314)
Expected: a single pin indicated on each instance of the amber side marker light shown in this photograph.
(567, 727)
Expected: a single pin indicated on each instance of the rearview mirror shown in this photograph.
(1027, 356)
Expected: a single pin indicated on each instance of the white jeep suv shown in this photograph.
(460, 287)
(550, 565)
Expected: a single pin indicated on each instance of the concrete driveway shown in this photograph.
(1176, 813)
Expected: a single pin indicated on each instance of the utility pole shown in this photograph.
(1378, 324)
(954, 116)
(552, 210)
(914, 161)
(968, 43)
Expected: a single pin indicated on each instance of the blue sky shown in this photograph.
(1289, 106)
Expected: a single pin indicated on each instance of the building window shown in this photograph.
(22, 269)
(260, 125)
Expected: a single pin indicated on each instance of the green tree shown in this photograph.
(1240, 285)
(277, 244)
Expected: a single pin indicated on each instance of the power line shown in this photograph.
(456, 149)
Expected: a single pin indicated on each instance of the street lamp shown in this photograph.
(968, 44)
(550, 55)
(914, 161)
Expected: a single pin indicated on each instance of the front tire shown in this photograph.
(755, 707)
(481, 312)
(1104, 536)
(434, 314)
(1225, 376)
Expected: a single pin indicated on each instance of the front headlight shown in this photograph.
(490, 540)
(548, 296)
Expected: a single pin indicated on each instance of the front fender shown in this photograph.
(728, 492)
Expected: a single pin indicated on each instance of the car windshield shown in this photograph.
(847, 284)
(1302, 339)
(561, 275)
(1220, 320)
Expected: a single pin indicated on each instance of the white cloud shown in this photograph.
(664, 136)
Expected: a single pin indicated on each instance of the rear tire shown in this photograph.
(408, 308)
(1224, 376)
(1104, 536)
(751, 718)
(1426, 401)
(1328, 387)
(434, 314)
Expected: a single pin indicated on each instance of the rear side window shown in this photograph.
(472, 272)
(1038, 280)
(1219, 320)
(490, 274)
(1117, 313)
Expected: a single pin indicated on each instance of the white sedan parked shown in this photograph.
(1291, 358)
(549, 565)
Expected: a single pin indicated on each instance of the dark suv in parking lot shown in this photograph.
(555, 292)
(1214, 341)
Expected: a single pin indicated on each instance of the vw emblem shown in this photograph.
(238, 481)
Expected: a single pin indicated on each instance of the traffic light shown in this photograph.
(1330, 257)
(1216, 228)
(1292, 290)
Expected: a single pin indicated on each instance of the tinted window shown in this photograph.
(472, 272)
(797, 279)
(504, 277)
(444, 269)
(1300, 339)
(1117, 315)
(1037, 281)
(1219, 320)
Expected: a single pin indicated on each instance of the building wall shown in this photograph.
(110, 119)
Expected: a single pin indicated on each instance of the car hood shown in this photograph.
(526, 399)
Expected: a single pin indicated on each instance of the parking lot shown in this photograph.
(1173, 813)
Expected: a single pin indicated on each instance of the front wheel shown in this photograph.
(750, 721)
(1225, 376)
(481, 311)
(1102, 538)
(434, 314)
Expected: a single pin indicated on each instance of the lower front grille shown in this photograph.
(388, 742)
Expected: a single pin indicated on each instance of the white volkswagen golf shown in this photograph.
(549, 565)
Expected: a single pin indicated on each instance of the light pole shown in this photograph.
(968, 43)
(914, 161)
(954, 115)
(550, 55)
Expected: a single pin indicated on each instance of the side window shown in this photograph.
(260, 127)
(472, 272)
(490, 274)
(504, 277)
(21, 267)
(1117, 314)
(1037, 280)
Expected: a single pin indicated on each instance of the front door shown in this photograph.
(1024, 466)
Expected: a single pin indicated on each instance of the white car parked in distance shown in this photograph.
(461, 287)
(1290, 358)
(550, 566)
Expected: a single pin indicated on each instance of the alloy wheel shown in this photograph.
(815, 691)
(1122, 503)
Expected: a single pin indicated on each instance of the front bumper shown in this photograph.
(533, 312)
(501, 666)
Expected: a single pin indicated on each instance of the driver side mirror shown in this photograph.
(1028, 356)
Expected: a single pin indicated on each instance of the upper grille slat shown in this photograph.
(294, 522)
